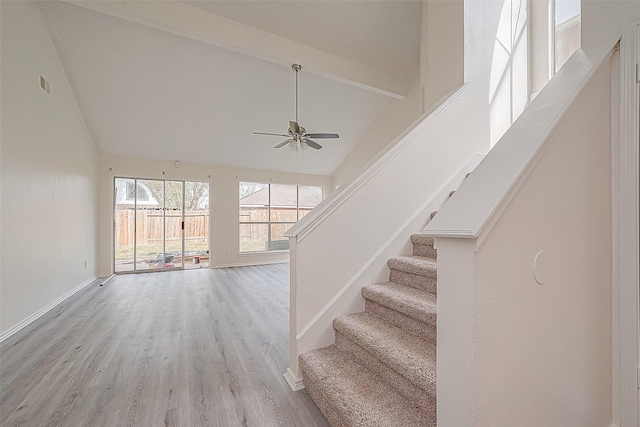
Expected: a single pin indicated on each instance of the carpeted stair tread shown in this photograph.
(422, 239)
(410, 301)
(406, 354)
(414, 265)
(356, 395)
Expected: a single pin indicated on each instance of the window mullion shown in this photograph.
(269, 221)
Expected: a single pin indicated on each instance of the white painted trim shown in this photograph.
(626, 251)
(440, 194)
(294, 382)
(44, 310)
(249, 264)
(107, 279)
(474, 207)
(321, 212)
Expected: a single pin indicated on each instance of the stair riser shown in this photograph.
(322, 403)
(415, 366)
(426, 251)
(416, 395)
(409, 324)
(427, 284)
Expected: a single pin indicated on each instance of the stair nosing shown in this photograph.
(414, 264)
(375, 293)
(355, 377)
(385, 353)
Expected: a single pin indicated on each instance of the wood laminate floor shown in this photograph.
(184, 348)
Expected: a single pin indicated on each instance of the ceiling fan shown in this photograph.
(298, 138)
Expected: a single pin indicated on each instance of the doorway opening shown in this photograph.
(160, 225)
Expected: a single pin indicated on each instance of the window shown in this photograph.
(566, 30)
(268, 211)
(143, 195)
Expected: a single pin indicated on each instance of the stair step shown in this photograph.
(452, 192)
(410, 309)
(406, 355)
(409, 301)
(422, 239)
(406, 323)
(351, 396)
(433, 214)
(423, 246)
(415, 271)
(415, 265)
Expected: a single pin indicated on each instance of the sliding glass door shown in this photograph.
(160, 225)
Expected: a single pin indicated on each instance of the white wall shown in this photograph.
(441, 50)
(223, 190)
(603, 19)
(394, 119)
(441, 73)
(49, 177)
(544, 351)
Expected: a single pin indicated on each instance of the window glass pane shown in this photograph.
(173, 222)
(278, 241)
(196, 224)
(567, 30)
(254, 237)
(150, 226)
(124, 221)
(310, 197)
(284, 203)
(254, 202)
(267, 212)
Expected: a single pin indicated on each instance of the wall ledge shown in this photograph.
(472, 208)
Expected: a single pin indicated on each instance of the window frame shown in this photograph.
(269, 223)
(553, 27)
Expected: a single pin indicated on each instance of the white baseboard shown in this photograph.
(38, 314)
(295, 383)
(249, 264)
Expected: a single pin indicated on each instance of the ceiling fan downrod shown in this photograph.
(296, 68)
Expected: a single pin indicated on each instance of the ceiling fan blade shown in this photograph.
(283, 143)
(270, 134)
(294, 127)
(323, 135)
(313, 144)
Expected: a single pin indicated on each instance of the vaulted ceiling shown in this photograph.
(192, 80)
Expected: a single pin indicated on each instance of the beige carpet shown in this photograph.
(381, 371)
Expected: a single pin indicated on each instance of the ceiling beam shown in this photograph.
(188, 21)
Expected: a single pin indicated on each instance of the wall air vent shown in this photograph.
(44, 85)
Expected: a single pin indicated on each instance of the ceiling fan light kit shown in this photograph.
(297, 137)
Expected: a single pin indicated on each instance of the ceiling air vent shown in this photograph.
(44, 85)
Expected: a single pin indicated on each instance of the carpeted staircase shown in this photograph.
(381, 371)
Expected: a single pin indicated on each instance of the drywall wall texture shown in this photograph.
(223, 202)
(441, 50)
(394, 119)
(49, 173)
(604, 19)
(544, 349)
(441, 73)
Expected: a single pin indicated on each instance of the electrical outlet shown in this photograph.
(85, 263)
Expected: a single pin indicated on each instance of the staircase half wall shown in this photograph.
(524, 265)
(344, 243)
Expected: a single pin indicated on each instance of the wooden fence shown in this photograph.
(150, 226)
